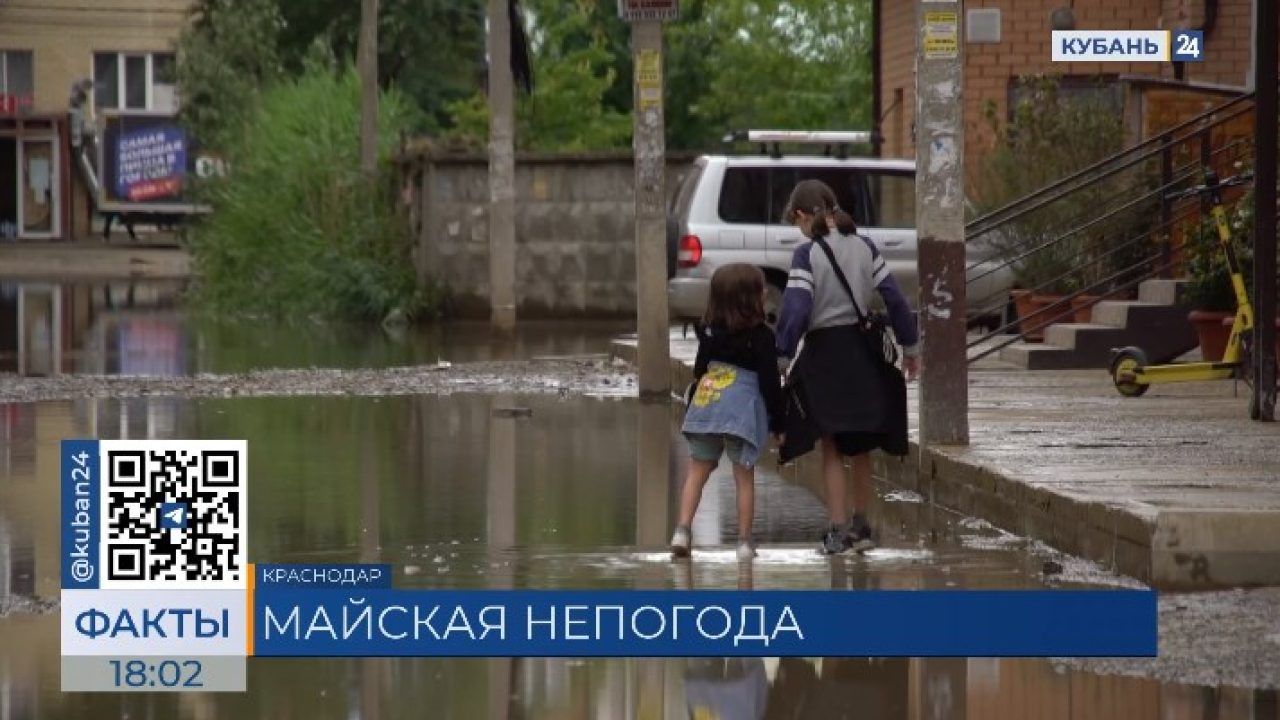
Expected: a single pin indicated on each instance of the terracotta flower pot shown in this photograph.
(1212, 332)
(1230, 320)
(1082, 307)
(1027, 304)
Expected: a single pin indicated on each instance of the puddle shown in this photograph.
(578, 493)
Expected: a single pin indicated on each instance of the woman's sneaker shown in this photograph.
(746, 550)
(836, 540)
(680, 542)
(861, 534)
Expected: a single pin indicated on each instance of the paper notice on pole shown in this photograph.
(941, 35)
(649, 79)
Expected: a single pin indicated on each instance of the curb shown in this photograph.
(1167, 549)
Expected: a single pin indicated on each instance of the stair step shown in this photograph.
(1161, 291)
(1039, 356)
(1066, 335)
(1115, 313)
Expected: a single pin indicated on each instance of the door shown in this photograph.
(38, 188)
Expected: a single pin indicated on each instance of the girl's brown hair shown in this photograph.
(817, 199)
(737, 298)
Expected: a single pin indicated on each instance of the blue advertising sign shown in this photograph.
(151, 163)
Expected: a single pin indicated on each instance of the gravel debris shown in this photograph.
(594, 377)
(1229, 637)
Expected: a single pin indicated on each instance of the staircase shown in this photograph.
(1155, 322)
(1117, 228)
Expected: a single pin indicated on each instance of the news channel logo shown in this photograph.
(1128, 45)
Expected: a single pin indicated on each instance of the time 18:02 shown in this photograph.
(167, 673)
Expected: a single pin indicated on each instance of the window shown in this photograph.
(17, 83)
(844, 181)
(134, 81)
(744, 198)
(893, 199)
(1102, 91)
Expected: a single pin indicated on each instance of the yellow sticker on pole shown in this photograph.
(941, 35)
(649, 79)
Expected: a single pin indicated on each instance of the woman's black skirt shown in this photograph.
(837, 387)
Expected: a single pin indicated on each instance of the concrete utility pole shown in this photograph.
(502, 171)
(650, 198)
(944, 381)
(1264, 218)
(367, 59)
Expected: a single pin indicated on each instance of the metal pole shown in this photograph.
(944, 389)
(650, 200)
(367, 59)
(502, 171)
(1264, 218)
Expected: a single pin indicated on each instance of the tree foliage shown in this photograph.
(802, 64)
(297, 229)
(226, 56)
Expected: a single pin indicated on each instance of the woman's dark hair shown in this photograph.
(817, 199)
(736, 301)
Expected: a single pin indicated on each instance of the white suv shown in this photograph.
(728, 209)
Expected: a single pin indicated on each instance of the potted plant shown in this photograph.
(1059, 250)
(1044, 280)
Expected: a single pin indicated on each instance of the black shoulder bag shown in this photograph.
(873, 326)
(880, 345)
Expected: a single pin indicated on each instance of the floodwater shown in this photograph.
(454, 493)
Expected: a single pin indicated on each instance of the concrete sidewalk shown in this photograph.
(1177, 488)
(93, 260)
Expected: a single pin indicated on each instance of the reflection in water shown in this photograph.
(134, 328)
(575, 493)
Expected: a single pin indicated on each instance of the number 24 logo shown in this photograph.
(1187, 45)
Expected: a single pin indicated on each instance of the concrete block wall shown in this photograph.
(575, 232)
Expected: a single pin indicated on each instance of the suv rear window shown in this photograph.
(846, 182)
(744, 196)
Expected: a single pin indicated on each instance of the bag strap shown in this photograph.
(844, 281)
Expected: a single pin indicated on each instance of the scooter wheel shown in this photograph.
(1123, 365)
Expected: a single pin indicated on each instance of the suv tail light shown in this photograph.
(690, 252)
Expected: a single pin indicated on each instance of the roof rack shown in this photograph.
(837, 142)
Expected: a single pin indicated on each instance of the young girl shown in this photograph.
(847, 400)
(737, 400)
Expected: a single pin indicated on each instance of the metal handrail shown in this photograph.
(985, 223)
(1188, 170)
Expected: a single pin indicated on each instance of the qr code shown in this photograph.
(173, 514)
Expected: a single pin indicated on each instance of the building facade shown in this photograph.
(1007, 40)
(125, 47)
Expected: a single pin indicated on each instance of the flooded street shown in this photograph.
(475, 489)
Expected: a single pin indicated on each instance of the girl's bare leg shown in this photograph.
(691, 494)
(862, 487)
(745, 477)
(833, 475)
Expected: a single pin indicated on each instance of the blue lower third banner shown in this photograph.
(553, 623)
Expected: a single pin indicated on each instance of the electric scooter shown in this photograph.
(1130, 370)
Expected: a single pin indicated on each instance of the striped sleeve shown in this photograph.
(879, 266)
(797, 302)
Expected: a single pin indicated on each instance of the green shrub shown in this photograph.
(1048, 137)
(296, 229)
(1209, 284)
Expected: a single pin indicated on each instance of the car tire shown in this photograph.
(772, 304)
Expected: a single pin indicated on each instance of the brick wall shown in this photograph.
(63, 35)
(1024, 49)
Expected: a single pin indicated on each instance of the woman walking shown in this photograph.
(851, 401)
